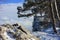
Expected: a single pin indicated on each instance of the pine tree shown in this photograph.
(38, 7)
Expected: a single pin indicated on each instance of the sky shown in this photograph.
(8, 14)
(10, 1)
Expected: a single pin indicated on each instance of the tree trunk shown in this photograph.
(53, 17)
(57, 9)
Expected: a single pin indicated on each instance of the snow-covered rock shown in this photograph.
(9, 32)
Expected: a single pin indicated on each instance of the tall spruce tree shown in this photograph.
(40, 7)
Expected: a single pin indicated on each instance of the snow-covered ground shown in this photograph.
(46, 36)
(42, 35)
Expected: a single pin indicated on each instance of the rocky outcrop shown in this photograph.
(18, 31)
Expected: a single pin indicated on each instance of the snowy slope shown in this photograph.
(42, 35)
(46, 36)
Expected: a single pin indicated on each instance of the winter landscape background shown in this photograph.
(8, 14)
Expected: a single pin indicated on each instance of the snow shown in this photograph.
(46, 35)
(9, 38)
